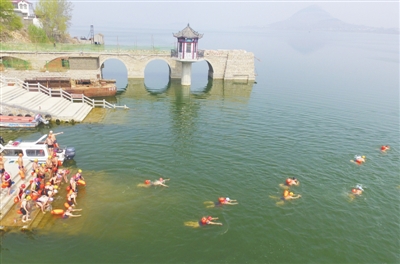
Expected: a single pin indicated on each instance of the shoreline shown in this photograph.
(15, 111)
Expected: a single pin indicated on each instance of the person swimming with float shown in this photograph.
(358, 159)
(208, 221)
(290, 182)
(159, 182)
(68, 213)
(384, 148)
(221, 201)
(205, 220)
(358, 190)
(287, 195)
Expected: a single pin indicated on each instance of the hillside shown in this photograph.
(15, 36)
(314, 18)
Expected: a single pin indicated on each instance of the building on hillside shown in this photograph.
(24, 9)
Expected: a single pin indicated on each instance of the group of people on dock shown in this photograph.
(44, 187)
(46, 180)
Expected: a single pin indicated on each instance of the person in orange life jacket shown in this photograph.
(227, 200)
(289, 195)
(208, 221)
(384, 148)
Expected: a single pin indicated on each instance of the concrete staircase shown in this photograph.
(58, 108)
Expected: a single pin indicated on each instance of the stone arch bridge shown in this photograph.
(222, 64)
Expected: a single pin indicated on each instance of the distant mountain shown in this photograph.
(314, 18)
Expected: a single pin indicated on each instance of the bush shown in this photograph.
(37, 35)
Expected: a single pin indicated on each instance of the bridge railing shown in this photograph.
(74, 98)
(78, 47)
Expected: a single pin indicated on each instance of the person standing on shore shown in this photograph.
(50, 143)
(35, 165)
(49, 165)
(53, 137)
(24, 209)
(6, 182)
(42, 173)
(21, 166)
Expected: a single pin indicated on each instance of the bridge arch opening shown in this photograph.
(157, 76)
(14, 63)
(115, 69)
(201, 77)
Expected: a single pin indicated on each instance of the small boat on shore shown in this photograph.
(87, 87)
(34, 150)
(22, 121)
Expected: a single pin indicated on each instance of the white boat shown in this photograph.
(34, 150)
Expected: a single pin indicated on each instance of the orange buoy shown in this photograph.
(81, 182)
(57, 211)
(35, 196)
(59, 163)
(147, 182)
(68, 188)
(19, 211)
(4, 185)
(16, 200)
(67, 205)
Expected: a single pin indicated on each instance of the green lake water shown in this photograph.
(320, 99)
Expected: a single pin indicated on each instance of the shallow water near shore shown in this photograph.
(315, 105)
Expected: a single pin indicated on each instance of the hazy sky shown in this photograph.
(205, 15)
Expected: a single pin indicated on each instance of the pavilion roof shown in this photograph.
(187, 32)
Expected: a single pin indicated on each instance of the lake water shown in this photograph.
(320, 99)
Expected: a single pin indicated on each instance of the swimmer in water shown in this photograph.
(221, 201)
(68, 213)
(384, 148)
(160, 182)
(357, 191)
(287, 195)
(203, 222)
(358, 159)
(290, 182)
(148, 183)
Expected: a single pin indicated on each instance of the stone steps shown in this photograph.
(11, 94)
(59, 108)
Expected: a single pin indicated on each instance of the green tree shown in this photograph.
(55, 16)
(8, 19)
